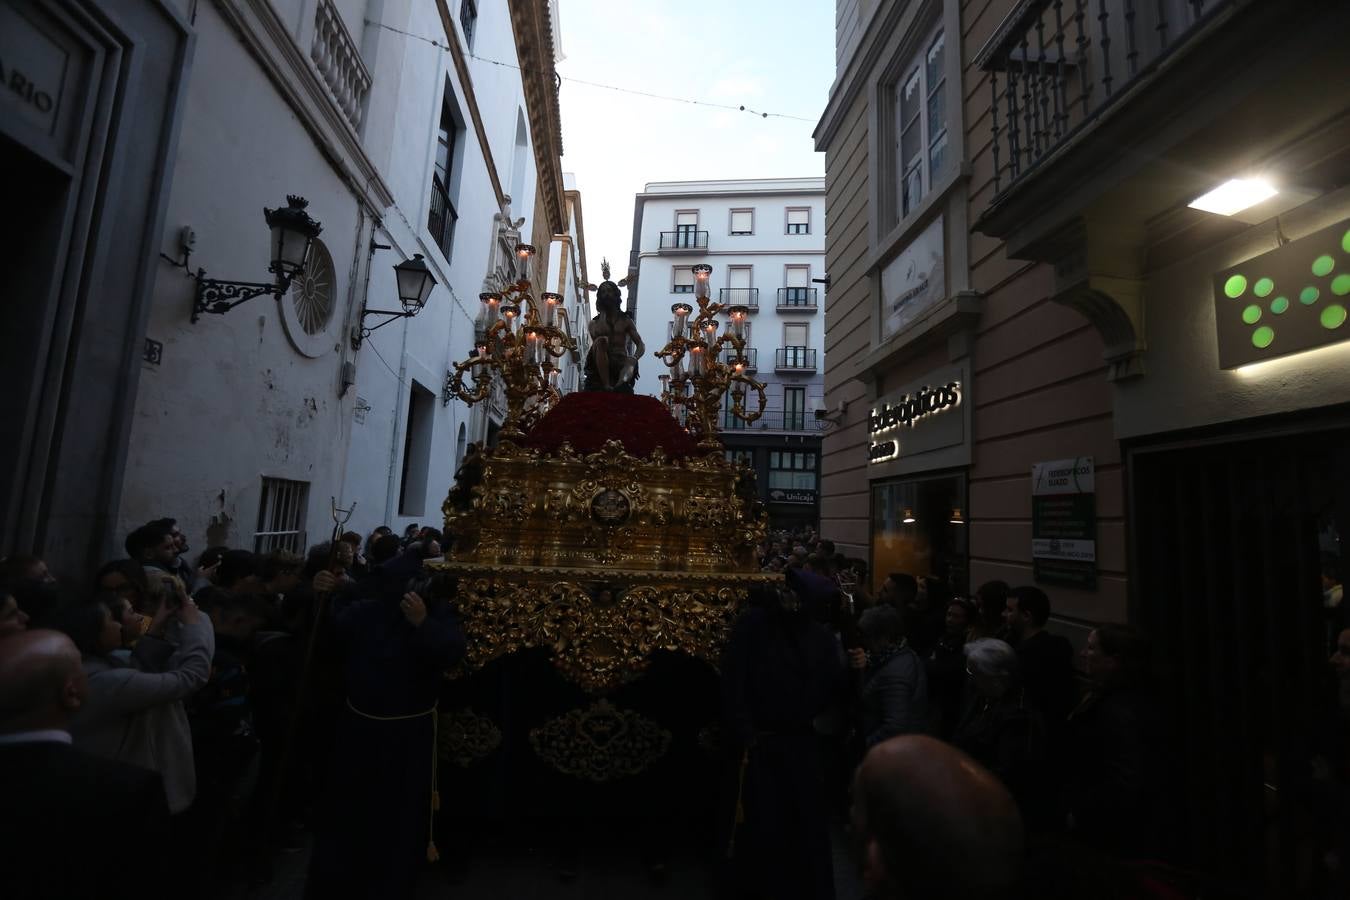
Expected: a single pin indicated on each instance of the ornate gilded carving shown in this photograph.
(600, 743)
(602, 559)
(466, 737)
(601, 633)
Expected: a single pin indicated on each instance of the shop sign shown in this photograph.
(1064, 522)
(32, 71)
(917, 419)
(914, 281)
(792, 496)
(1291, 299)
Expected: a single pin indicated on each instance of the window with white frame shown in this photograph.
(281, 516)
(799, 220)
(920, 124)
(742, 221)
(686, 229)
(468, 20)
(682, 279)
(797, 286)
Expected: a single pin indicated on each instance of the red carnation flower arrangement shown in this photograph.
(587, 419)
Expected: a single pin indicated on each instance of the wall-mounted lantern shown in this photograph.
(415, 282)
(293, 231)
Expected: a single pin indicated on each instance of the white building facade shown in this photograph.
(249, 422)
(765, 241)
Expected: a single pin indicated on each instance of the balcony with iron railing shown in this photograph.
(797, 299)
(441, 217)
(739, 296)
(683, 240)
(1058, 67)
(774, 420)
(795, 359)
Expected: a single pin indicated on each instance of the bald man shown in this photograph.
(932, 824)
(73, 823)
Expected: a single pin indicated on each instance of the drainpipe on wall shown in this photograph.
(354, 303)
(391, 490)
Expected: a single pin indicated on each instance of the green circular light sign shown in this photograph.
(1340, 285)
(1345, 241)
(1323, 266)
(1308, 296)
(1279, 305)
(1263, 337)
(1252, 314)
(1235, 286)
(1263, 287)
(1333, 316)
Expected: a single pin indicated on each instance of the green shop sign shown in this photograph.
(1286, 301)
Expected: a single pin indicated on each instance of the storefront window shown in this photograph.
(918, 527)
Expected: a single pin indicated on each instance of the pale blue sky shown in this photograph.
(770, 56)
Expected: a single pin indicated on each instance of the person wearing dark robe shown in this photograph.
(375, 835)
(782, 669)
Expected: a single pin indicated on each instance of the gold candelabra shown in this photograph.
(522, 339)
(705, 366)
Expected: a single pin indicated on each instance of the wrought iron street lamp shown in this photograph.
(293, 232)
(415, 282)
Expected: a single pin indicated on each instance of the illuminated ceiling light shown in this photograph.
(1234, 195)
(956, 518)
(908, 518)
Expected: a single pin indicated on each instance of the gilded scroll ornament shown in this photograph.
(466, 737)
(600, 743)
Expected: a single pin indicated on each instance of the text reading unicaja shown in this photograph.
(910, 408)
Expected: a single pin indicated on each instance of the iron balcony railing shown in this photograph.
(442, 217)
(802, 298)
(800, 358)
(741, 296)
(772, 420)
(684, 239)
(1056, 66)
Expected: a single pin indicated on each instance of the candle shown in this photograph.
(738, 316)
(553, 379)
(681, 312)
(492, 302)
(551, 303)
(523, 254)
(677, 369)
(510, 313)
(696, 361)
(702, 279)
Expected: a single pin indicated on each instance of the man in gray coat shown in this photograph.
(894, 696)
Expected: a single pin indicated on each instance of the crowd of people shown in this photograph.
(978, 713)
(211, 712)
(208, 715)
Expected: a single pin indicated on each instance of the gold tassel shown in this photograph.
(436, 800)
(432, 853)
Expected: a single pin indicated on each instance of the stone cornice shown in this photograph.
(533, 29)
(461, 65)
(288, 67)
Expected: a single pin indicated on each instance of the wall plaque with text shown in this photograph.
(1064, 522)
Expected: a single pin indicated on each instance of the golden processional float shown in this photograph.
(605, 528)
(598, 531)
